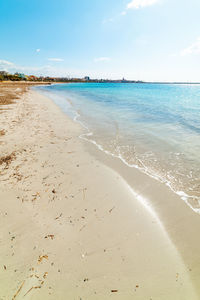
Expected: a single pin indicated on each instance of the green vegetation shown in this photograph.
(5, 76)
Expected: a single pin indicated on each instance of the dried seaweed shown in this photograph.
(49, 236)
(41, 257)
(7, 159)
(2, 132)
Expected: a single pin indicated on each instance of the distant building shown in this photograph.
(87, 78)
(32, 78)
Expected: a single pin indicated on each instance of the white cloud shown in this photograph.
(56, 59)
(12, 68)
(136, 4)
(108, 20)
(99, 59)
(45, 70)
(193, 49)
(4, 63)
(37, 50)
(7, 66)
(173, 55)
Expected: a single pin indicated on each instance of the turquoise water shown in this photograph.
(153, 127)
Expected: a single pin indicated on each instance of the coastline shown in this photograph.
(76, 223)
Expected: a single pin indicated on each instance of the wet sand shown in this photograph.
(78, 224)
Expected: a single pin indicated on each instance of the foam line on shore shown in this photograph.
(181, 194)
(185, 197)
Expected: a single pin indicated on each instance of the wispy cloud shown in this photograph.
(5, 63)
(45, 70)
(192, 49)
(136, 4)
(102, 59)
(56, 59)
(37, 50)
(110, 20)
(12, 68)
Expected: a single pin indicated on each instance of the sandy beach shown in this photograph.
(79, 224)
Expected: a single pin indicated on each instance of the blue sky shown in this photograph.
(136, 39)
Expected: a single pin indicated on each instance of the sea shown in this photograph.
(152, 127)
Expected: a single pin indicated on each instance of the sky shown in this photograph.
(150, 40)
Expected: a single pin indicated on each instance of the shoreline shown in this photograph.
(191, 199)
(76, 205)
(181, 194)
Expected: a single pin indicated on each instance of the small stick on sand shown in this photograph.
(82, 227)
(58, 217)
(84, 193)
(18, 291)
(111, 209)
(33, 287)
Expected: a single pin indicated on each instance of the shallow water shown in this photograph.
(153, 127)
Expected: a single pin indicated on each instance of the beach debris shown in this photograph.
(136, 287)
(82, 227)
(177, 276)
(58, 217)
(34, 287)
(2, 132)
(111, 209)
(67, 139)
(77, 166)
(45, 275)
(5, 268)
(7, 159)
(41, 257)
(18, 291)
(49, 236)
(114, 291)
(53, 191)
(35, 196)
(86, 279)
(84, 190)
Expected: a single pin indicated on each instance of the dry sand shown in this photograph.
(72, 228)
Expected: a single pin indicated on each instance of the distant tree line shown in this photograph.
(5, 76)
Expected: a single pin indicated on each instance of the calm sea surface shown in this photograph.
(153, 127)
